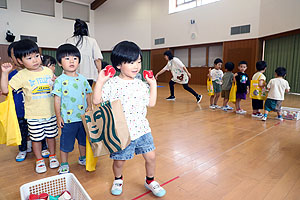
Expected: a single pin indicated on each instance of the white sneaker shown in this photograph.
(82, 162)
(53, 162)
(117, 187)
(156, 189)
(40, 166)
(224, 108)
(45, 153)
(218, 107)
(280, 119)
(29, 146)
(229, 108)
(241, 112)
(212, 107)
(21, 156)
(263, 118)
(64, 169)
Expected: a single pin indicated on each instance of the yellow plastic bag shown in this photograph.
(232, 94)
(210, 87)
(91, 161)
(9, 126)
(257, 92)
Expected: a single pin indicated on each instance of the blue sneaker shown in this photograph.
(21, 156)
(117, 186)
(156, 189)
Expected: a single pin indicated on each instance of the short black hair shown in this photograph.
(104, 64)
(243, 62)
(261, 65)
(229, 66)
(125, 52)
(280, 71)
(218, 60)
(10, 47)
(25, 47)
(169, 54)
(48, 60)
(67, 50)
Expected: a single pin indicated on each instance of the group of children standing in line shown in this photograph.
(223, 82)
(58, 102)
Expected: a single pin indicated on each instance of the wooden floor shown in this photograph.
(201, 154)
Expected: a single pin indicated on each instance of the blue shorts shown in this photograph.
(69, 132)
(142, 145)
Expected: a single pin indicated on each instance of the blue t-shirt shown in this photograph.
(72, 91)
(18, 97)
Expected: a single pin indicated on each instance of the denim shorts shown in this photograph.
(69, 132)
(142, 145)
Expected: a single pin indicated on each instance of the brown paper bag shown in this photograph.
(106, 128)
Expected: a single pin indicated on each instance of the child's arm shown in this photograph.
(6, 68)
(160, 72)
(59, 119)
(209, 73)
(89, 102)
(153, 90)
(97, 94)
(188, 73)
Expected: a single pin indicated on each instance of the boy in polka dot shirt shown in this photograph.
(134, 94)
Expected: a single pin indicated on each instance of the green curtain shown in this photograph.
(58, 69)
(284, 52)
(145, 62)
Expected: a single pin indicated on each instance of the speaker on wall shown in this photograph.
(10, 36)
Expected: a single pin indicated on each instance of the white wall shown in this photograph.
(51, 31)
(213, 22)
(118, 20)
(278, 16)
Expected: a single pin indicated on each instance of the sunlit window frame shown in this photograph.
(175, 7)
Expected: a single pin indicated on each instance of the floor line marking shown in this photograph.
(169, 181)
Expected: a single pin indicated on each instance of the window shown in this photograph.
(183, 55)
(3, 4)
(180, 5)
(181, 2)
(213, 53)
(198, 57)
(43, 7)
(76, 11)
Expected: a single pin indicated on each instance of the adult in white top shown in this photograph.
(180, 75)
(91, 55)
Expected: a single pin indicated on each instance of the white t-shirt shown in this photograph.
(277, 87)
(90, 52)
(216, 75)
(176, 67)
(259, 75)
(134, 96)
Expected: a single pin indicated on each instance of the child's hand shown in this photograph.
(89, 108)
(235, 74)
(151, 81)
(60, 122)
(101, 76)
(53, 78)
(156, 76)
(6, 67)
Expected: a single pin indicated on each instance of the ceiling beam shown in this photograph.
(96, 4)
(59, 1)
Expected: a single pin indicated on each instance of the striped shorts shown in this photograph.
(42, 128)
